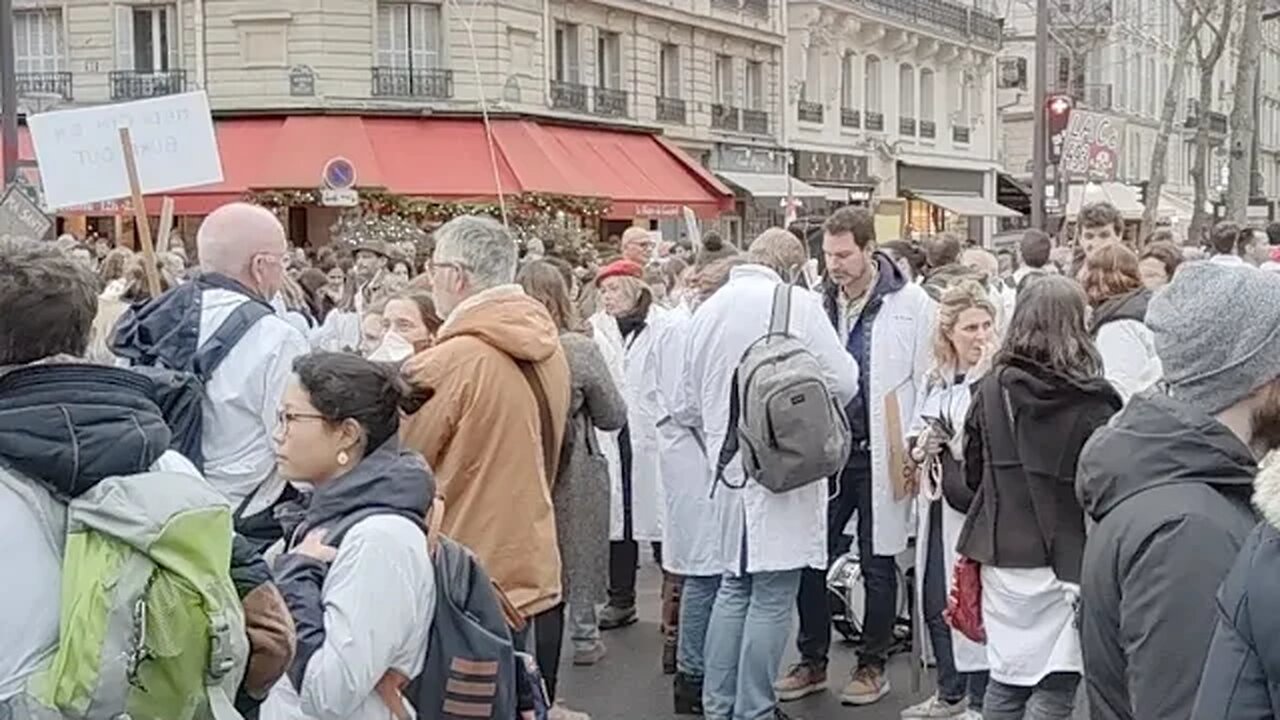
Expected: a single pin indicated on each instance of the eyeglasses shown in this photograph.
(284, 419)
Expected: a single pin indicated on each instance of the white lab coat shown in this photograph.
(901, 342)
(690, 543)
(948, 400)
(379, 602)
(1129, 360)
(782, 531)
(635, 371)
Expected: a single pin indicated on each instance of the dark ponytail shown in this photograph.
(344, 386)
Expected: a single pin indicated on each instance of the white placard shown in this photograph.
(692, 230)
(339, 197)
(81, 160)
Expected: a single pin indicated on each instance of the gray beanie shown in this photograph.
(1217, 333)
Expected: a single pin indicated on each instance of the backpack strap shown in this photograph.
(780, 319)
(224, 339)
(729, 448)
(550, 454)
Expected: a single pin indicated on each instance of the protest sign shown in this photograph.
(81, 160)
(692, 230)
(21, 218)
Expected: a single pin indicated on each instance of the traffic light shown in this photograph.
(1057, 116)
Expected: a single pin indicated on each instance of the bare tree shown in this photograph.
(1243, 122)
(1189, 27)
(1217, 16)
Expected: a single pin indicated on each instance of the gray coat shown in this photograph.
(581, 494)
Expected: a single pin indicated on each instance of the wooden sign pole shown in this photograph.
(165, 231)
(140, 214)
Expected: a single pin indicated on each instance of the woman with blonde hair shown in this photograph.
(1113, 284)
(963, 342)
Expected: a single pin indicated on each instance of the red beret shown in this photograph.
(619, 268)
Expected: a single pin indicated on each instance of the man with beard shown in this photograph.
(1167, 483)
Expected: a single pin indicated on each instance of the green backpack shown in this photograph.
(151, 626)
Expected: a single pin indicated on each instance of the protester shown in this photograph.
(908, 256)
(1222, 244)
(986, 268)
(1167, 485)
(962, 345)
(637, 246)
(943, 268)
(1024, 525)
(1116, 294)
(581, 493)
(1252, 247)
(1035, 248)
(1100, 224)
(1157, 264)
(241, 247)
(493, 429)
(412, 316)
(362, 532)
(765, 538)
(67, 428)
(885, 324)
(402, 269)
(371, 275)
(373, 328)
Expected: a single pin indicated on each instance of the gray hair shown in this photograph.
(483, 247)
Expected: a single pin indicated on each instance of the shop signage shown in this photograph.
(657, 210)
(747, 158)
(81, 160)
(835, 168)
(21, 218)
(339, 197)
(1091, 149)
(302, 81)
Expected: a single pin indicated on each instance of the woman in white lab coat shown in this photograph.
(963, 342)
(626, 332)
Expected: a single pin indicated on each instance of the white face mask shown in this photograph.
(394, 348)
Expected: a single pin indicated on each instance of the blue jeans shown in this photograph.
(952, 684)
(1053, 698)
(696, 600)
(745, 641)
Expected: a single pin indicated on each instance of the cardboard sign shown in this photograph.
(81, 160)
(21, 218)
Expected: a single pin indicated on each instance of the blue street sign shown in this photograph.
(339, 174)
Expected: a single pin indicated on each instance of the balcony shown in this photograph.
(928, 129)
(951, 18)
(960, 134)
(850, 118)
(610, 102)
(137, 84)
(759, 8)
(412, 82)
(1081, 15)
(1092, 96)
(568, 96)
(907, 127)
(724, 117)
(755, 122)
(810, 111)
(45, 83)
(671, 110)
(874, 121)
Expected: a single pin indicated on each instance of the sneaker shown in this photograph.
(589, 655)
(868, 686)
(801, 680)
(936, 707)
(560, 712)
(612, 617)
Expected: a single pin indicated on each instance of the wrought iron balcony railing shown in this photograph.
(433, 83)
(137, 84)
(671, 110)
(610, 102)
(568, 96)
(45, 83)
(724, 117)
(755, 122)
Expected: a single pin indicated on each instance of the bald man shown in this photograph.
(242, 349)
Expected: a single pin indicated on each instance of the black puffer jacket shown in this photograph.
(1130, 306)
(1167, 487)
(1242, 671)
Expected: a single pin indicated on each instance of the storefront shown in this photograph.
(844, 178)
(948, 199)
(762, 186)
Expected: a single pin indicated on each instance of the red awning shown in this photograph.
(640, 173)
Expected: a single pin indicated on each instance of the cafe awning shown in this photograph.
(771, 185)
(968, 205)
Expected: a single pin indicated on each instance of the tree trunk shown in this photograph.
(1243, 122)
(1159, 154)
(1200, 219)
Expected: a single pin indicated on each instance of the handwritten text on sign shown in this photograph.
(81, 160)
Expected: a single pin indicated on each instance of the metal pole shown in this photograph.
(1039, 151)
(8, 94)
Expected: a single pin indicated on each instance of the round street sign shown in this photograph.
(339, 174)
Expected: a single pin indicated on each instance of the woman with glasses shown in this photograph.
(355, 574)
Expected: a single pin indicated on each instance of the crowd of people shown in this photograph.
(1070, 439)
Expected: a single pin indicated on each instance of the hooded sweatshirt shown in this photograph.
(1126, 344)
(481, 432)
(1167, 488)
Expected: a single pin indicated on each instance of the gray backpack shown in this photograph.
(790, 429)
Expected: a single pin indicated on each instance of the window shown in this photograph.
(755, 86)
(608, 60)
(566, 39)
(811, 91)
(926, 95)
(848, 93)
(906, 91)
(871, 84)
(669, 69)
(724, 89)
(409, 36)
(146, 38)
(37, 41)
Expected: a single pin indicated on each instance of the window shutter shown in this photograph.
(124, 37)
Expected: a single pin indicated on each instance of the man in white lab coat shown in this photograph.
(242, 250)
(766, 539)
